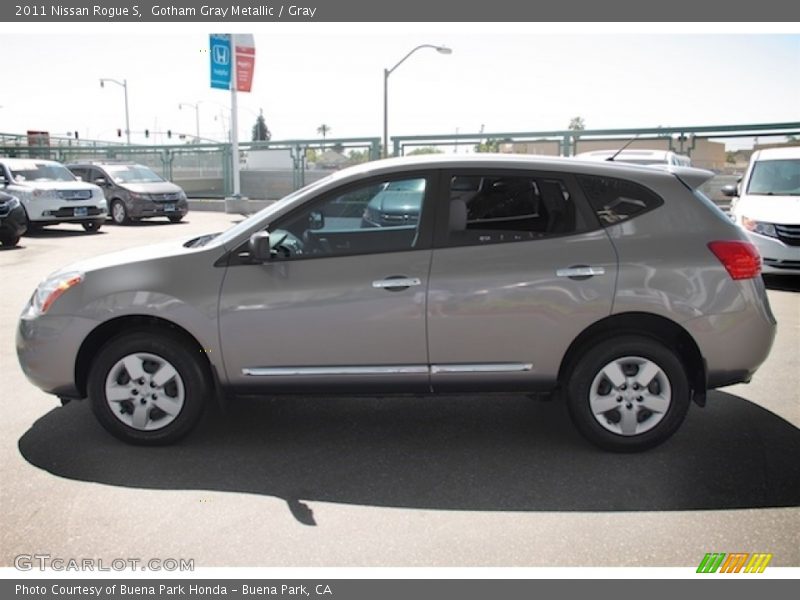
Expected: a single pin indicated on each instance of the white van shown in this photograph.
(639, 157)
(767, 204)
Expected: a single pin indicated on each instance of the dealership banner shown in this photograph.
(449, 11)
(390, 589)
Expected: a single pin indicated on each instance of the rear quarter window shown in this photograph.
(615, 200)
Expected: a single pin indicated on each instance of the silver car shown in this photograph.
(621, 287)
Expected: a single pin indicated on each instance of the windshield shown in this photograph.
(233, 232)
(132, 174)
(775, 177)
(33, 171)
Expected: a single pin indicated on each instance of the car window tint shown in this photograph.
(381, 216)
(615, 200)
(507, 208)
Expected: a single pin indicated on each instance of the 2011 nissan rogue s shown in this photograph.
(621, 287)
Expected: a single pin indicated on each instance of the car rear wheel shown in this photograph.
(92, 226)
(628, 394)
(176, 219)
(147, 388)
(119, 214)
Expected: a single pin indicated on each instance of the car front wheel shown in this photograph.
(119, 214)
(92, 226)
(147, 388)
(628, 393)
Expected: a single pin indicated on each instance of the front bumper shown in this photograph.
(47, 346)
(142, 209)
(14, 222)
(776, 256)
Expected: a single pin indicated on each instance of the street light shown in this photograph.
(386, 73)
(124, 84)
(196, 107)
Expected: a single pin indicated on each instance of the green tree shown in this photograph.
(490, 145)
(577, 124)
(261, 132)
(358, 156)
(425, 150)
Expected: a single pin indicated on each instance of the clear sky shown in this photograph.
(502, 77)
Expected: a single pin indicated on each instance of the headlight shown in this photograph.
(51, 290)
(759, 227)
(135, 196)
(181, 195)
(13, 203)
(45, 194)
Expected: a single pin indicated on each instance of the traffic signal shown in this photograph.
(119, 132)
(76, 135)
(147, 133)
(169, 133)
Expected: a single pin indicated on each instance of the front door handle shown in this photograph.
(396, 283)
(580, 272)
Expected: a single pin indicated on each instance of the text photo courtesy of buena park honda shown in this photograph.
(391, 297)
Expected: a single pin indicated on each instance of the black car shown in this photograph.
(12, 220)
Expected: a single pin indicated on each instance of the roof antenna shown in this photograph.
(628, 143)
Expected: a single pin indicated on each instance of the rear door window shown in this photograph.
(616, 200)
(499, 208)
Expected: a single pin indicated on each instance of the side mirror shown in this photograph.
(316, 220)
(729, 190)
(259, 246)
(101, 181)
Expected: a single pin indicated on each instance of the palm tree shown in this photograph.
(323, 130)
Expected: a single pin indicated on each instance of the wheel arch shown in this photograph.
(113, 327)
(653, 326)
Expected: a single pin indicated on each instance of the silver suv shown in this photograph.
(621, 287)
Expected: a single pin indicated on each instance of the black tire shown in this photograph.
(9, 241)
(630, 354)
(119, 214)
(175, 219)
(92, 226)
(190, 380)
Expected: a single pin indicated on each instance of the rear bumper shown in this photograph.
(734, 344)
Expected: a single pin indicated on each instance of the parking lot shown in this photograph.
(446, 481)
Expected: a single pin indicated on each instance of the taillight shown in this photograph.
(740, 259)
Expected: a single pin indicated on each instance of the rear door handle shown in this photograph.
(397, 283)
(580, 272)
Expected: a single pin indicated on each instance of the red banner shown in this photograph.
(245, 57)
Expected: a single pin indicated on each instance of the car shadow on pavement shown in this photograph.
(58, 232)
(510, 453)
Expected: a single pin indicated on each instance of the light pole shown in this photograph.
(196, 107)
(386, 73)
(124, 84)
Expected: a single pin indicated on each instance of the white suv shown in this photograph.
(51, 194)
(767, 204)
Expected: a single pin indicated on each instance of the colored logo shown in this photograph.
(220, 54)
(738, 562)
